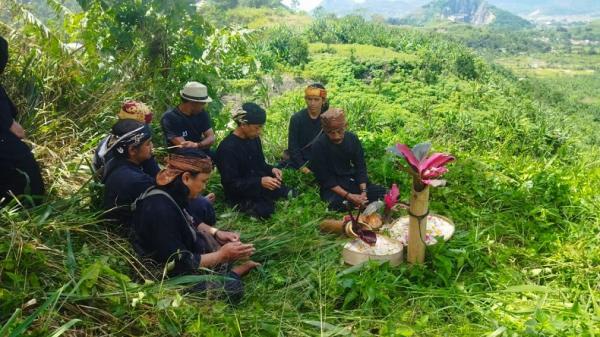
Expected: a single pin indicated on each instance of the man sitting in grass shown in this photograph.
(248, 181)
(188, 125)
(132, 110)
(125, 177)
(19, 172)
(305, 128)
(182, 243)
(339, 165)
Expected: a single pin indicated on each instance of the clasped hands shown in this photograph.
(274, 182)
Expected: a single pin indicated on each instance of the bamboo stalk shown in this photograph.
(419, 204)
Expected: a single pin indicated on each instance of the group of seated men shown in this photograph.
(164, 212)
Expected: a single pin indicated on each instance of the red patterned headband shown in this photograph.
(178, 164)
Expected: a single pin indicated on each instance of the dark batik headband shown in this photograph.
(132, 138)
(333, 119)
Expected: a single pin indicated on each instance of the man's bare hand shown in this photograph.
(188, 144)
(17, 130)
(357, 199)
(224, 236)
(277, 173)
(305, 170)
(234, 251)
(270, 183)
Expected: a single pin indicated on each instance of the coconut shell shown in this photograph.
(374, 220)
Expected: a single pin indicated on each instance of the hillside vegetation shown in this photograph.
(525, 259)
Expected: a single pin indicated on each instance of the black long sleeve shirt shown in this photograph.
(242, 164)
(302, 130)
(124, 181)
(164, 235)
(11, 146)
(334, 164)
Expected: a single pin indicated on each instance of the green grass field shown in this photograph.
(361, 52)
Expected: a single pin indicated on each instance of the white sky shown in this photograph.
(305, 5)
(308, 5)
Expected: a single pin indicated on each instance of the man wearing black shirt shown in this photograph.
(339, 165)
(188, 125)
(305, 127)
(248, 181)
(19, 172)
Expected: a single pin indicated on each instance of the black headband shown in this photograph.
(251, 113)
(203, 98)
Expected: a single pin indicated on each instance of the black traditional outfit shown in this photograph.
(124, 181)
(165, 232)
(175, 123)
(302, 133)
(341, 164)
(242, 165)
(20, 172)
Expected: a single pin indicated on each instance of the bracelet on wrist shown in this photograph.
(346, 195)
(213, 231)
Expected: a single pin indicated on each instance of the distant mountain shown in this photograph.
(549, 7)
(474, 12)
(529, 9)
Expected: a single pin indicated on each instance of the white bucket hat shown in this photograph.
(195, 92)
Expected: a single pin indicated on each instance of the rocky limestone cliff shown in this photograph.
(473, 12)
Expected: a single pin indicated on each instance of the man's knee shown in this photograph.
(264, 209)
(336, 203)
(202, 210)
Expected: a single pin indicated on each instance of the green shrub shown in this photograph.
(282, 45)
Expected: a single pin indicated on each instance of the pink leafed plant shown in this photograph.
(425, 169)
(391, 198)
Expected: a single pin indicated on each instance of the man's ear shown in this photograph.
(185, 177)
(131, 151)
